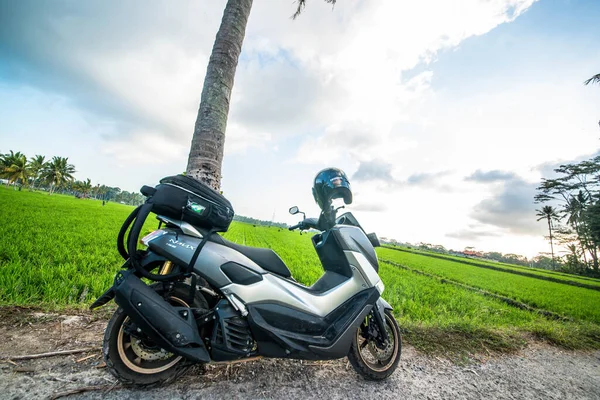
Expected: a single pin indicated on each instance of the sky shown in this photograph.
(444, 115)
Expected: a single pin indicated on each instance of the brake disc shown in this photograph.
(386, 352)
(148, 354)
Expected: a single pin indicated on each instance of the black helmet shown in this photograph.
(331, 183)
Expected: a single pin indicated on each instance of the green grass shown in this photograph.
(58, 251)
(294, 249)
(507, 267)
(570, 301)
(441, 316)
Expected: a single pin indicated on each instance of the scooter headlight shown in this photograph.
(380, 287)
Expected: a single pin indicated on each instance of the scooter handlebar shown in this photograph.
(308, 223)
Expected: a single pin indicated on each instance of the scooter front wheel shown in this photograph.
(136, 360)
(375, 362)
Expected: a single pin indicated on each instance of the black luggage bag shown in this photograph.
(182, 198)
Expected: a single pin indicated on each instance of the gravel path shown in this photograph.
(538, 372)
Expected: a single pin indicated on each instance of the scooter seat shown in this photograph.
(265, 258)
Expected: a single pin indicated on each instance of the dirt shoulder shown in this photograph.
(538, 372)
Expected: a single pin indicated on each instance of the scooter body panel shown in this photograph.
(284, 318)
(180, 248)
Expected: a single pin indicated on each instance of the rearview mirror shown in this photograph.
(294, 210)
(373, 239)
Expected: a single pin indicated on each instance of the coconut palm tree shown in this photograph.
(36, 166)
(85, 187)
(3, 162)
(593, 79)
(6, 160)
(17, 170)
(549, 213)
(574, 210)
(208, 142)
(58, 172)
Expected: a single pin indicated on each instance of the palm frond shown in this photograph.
(302, 4)
(593, 79)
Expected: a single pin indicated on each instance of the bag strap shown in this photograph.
(134, 234)
(139, 215)
(121, 236)
(190, 266)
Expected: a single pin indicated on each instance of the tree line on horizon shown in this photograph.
(261, 222)
(541, 261)
(572, 212)
(56, 176)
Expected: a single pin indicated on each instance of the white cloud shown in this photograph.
(239, 139)
(347, 87)
(379, 43)
(329, 68)
(143, 148)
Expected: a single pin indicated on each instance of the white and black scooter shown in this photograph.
(218, 301)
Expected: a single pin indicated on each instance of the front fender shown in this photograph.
(381, 303)
(381, 306)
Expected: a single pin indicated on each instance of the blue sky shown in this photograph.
(551, 32)
(416, 100)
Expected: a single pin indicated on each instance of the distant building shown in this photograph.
(471, 253)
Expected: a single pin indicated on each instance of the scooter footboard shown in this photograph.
(173, 328)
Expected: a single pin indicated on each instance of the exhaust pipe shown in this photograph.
(173, 328)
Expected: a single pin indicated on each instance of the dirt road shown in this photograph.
(538, 372)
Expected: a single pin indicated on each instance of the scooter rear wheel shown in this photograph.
(139, 362)
(371, 361)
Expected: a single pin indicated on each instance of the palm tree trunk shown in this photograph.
(594, 255)
(208, 142)
(551, 244)
(582, 241)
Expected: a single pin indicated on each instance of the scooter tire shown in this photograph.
(122, 369)
(374, 371)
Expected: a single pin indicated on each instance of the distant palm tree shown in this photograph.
(574, 210)
(58, 172)
(6, 160)
(4, 163)
(593, 79)
(549, 213)
(17, 170)
(85, 187)
(36, 166)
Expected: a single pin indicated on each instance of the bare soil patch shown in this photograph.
(537, 372)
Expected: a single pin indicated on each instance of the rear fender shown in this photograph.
(173, 328)
(146, 261)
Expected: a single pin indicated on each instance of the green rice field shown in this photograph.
(516, 269)
(567, 300)
(58, 251)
